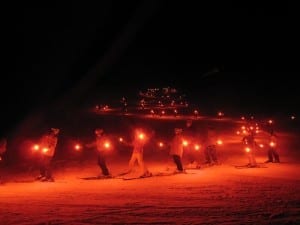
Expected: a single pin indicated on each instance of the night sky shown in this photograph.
(59, 55)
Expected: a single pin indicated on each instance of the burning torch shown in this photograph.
(36, 147)
(77, 147)
(247, 149)
(107, 145)
(272, 144)
(185, 143)
(219, 142)
(197, 147)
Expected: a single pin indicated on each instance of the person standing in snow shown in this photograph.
(48, 146)
(273, 155)
(177, 149)
(102, 145)
(138, 143)
(210, 151)
(250, 148)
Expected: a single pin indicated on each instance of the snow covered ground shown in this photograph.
(219, 194)
(214, 195)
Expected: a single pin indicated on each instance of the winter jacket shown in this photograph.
(177, 146)
(48, 144)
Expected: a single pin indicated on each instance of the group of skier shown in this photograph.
(182, 142)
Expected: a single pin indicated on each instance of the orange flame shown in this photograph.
(36, 147)
(219, 142)
(197, 147)
(77, 147)
(160, 144)
(141, 136)
(247, 149)
(120, 139)
(107, 144)
(185, 143)
(272, 144)
(45, 150)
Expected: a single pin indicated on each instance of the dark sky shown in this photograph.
(234, 49)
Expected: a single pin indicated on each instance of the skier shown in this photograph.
(139, 140)
(177, 149)
(102, 144)
(189, 135)
(210, 151)
(48, 144)
(273, 155)
(250, 148)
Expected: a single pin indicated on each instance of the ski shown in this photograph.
(134, 178)
(160, 174)
(25, 181)
(33, 181)
(203, 166)
(96, 177)
(249, 167)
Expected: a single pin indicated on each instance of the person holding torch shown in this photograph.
(177, 149)
(250, 148)
(48, 146)
(273, 155)
(139, 140)
(210, 151)
(102, 145)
